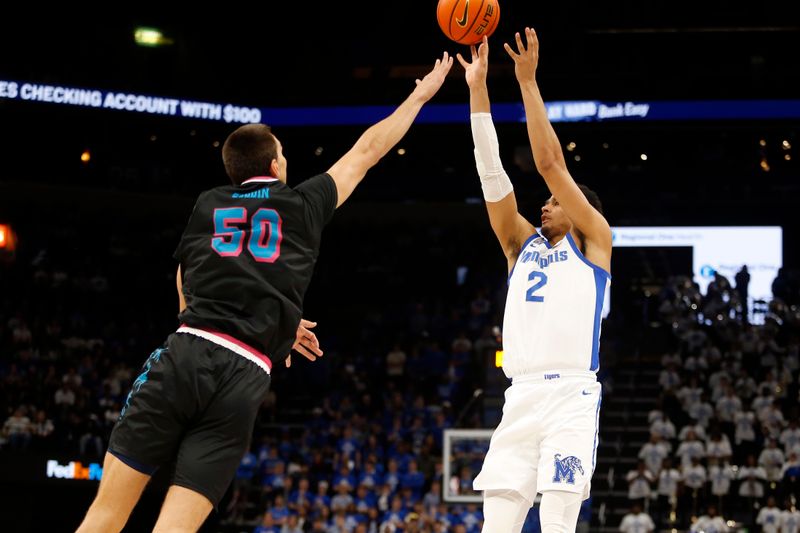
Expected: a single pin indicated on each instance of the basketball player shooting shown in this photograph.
(546, 441)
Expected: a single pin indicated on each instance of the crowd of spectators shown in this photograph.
(724, 438)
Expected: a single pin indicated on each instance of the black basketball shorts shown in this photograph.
(195, 403)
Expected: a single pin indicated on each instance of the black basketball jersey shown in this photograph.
(247, 256)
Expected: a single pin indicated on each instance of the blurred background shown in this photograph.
(699, 361)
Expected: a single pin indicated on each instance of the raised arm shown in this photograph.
(374, 143)
(501, 203)
(590, 224)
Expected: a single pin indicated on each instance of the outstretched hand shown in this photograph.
(476, 69)
(525, 58)
(306, 342)
(430, 84)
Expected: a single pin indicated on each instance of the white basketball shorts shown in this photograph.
(547, 438)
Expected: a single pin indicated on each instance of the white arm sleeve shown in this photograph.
(494, 181)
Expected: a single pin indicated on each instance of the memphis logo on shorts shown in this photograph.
(565, 469)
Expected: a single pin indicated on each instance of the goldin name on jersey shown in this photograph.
(545, 260)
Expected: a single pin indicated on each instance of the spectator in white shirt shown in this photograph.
(653, 453)
(690, 449)
(694, 479)
(395, 363)
(666, 491)
(695, 338)
(728, 405)
(772, 420)
(702, 411)
(17, 429)
(745, 435)
(669, 379)
(785, 376)
(689, 393)
(763, 400)
(636, 521)
(657, 413)
(772, 460)
(72, 378)
(663, 427)
(696, 363)
(639, 482)
(721, 474)
(769, 517)
(64, 395)
(790, 519)
(745, 385)
(771, 383)
(710, 523)
(719, 383)
(790, 437)
(751, 478)
(42, 430)
(694, 476)
(718, 446)
(698, 430)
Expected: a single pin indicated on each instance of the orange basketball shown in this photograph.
(467, 21)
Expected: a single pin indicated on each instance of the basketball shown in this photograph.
(465, 21)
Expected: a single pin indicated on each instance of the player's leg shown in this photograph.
(504, 511)
(509, 472)
(183, 510)
(120, 489)
(213, 447)
(568, 453)
(558, 512)
(144, 437)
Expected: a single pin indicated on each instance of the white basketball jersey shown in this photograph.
(553, 309)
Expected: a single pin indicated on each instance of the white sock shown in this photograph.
(504, 511)
(559, 511)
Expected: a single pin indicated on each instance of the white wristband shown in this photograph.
(494, 181)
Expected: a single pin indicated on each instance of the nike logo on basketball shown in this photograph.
(586, 393)
(463, 20)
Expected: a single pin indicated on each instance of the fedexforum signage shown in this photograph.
(74, 470)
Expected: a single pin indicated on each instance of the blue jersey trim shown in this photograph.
(524, 245)
(597, 427)
(133, 463)
(582, 258)
(546, 242)
(601, 276)
(600, 280)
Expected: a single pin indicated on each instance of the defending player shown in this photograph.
(246, 259)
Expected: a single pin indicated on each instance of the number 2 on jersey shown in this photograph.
(264, 243)
(541, 280)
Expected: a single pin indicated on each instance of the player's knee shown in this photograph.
(559, 511)
(504, 511)
(102, 519)
(503, 500)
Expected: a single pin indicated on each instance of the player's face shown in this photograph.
(281, 162)
(554, 221)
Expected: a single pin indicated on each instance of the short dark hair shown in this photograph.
(590, 195)
(249, 152)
